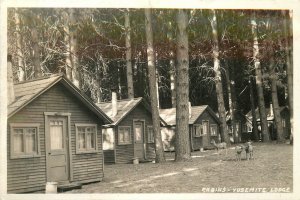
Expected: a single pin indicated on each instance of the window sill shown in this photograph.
(87, 152)
(124, 143)
(25, 156)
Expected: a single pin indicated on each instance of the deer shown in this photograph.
(249, 150)
(238, 151)
(218, 146)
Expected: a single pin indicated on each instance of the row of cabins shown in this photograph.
(56, 133)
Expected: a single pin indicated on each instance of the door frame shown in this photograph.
(68, 133)
(144, 144)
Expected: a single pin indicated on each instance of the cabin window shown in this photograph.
(24, 140)
(249, 128)
(150, 134)
(198, 130)
(213, 130)
(124, 135)
(86, 138)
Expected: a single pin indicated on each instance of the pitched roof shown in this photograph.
(169, 115)
(26, 92)
(124, 107)
(270, 117)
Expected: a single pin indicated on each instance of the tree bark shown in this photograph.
(172, 79)
(68, 58)
(98, 85)
(128, 55)
(231, 102)
(218, 80)
(152, 85)
(258, 75)
(254, 120)
(276, 109)
(182, 147)
(36, 53)
(73, 49)
(288, 31)
(20, 56)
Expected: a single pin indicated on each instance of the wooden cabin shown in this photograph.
(237, 129)
(285, 120)
(54, 135)
(204, 125)
(130, 135)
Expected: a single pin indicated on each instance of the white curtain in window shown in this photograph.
(56, 137)
(121, 135)
(90, 140)
(138, 133)
(30, 140)
(18, 141)
(126, 135)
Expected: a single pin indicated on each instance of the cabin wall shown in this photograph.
(201, 142)
(125, 153)
(29, 174)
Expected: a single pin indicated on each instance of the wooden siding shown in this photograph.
(109, 156)
(125, 153)
(168, 134)
(29, 174)
(198, 141)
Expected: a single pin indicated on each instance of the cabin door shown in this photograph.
(57, 149)
(205, 130)
(139, 151)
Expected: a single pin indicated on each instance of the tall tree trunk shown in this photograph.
(73, 48)
(231, 102)
(157, 85)
(36, 53)
(172, 71)
(218, 80)
(172, 79)
(288, 31)
(20, 56)
(254, 120)
(182, 148)
(152, 85)
(258, 75)
(128, 55)
(10, 81)
(98, 85)
(276, 109)
(68, 57)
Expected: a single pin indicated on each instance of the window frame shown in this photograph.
(83, 151)
(130, 135)
(210, 131)
(37, 140)
(148, 135)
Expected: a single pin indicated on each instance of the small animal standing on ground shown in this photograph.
(218, 146)
(238, 152)
(249, 151)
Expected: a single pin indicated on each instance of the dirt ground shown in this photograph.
(206, 172)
